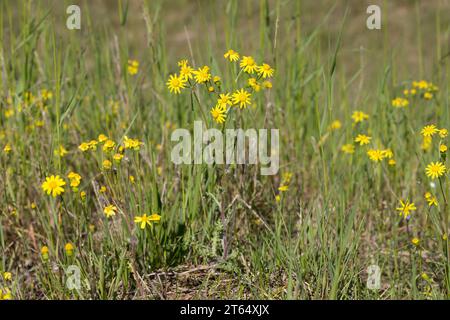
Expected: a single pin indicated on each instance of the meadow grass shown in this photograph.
(225, 231)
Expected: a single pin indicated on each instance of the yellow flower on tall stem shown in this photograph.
(231, 55)
(219, 114)
(241, 98)
(435, 170)
(248, 64)
(405, 208)
(110, 211)
(53, 185)
(145, 220)
(176, 83)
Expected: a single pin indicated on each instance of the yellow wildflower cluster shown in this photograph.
(188, 77)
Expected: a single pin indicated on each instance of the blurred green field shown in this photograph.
(224, 231)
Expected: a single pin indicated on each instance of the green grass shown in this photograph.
(222, 234)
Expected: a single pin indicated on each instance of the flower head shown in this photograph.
(110, 211)
(248, 64)
(219, 114)
(241, 98)
(133, 67)
(405, 208)
(231, 55)
(202, 74)
(348, 148)
(429, 131)
(69, 249)
(53, 185)
(359, 116)
(435, 170)
(265, 71)
(145, 220)
(176, 83)
(362, 139)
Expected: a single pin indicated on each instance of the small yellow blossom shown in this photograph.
(241, 98)
(176, 83)
(348, 148)
(359, 116)
(110, 211)
(248, 64)
(429, 131)
(362, 139)
(69, 248)
(133, 67)
(405, 208)
(231, 55)
(145, 220)
(219, 114)
(106, 165)
(53, 185)
(435, 170)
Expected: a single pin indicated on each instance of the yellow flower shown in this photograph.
(133, 67)
(231, 55)
(202, 74)
(392, 162)
(265, 71)
(102, 138)
(102, 189)
(348, 148)
(362, 139)
(359, 116)
(84, 146)
(110, 211)
(186, 71)
(61, 151)
(400, 102)
(248, 64)
(83, 195)
(388, 153)
(5, 294)
(219, 114)
(175, 83)
(443, 148)
(241, 98)
(109, 145)
(44, 253)
(46, 94)
(435, 170)
(376, 155)
(415, 241)
(145, 220)
(443, 133)
(283, 188)
(106, 165)
(406, 208)
(93, 144)
(74, 178)
(118, 157)
(216, 79)
(69, 249)
(267, 84)
(53, 185)
(7, 149)
(428, 96)
(7, 276)
(129, 143)
(335, 125)
(132, 179)
(224, 100)
(429, 131)
(432, 201)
